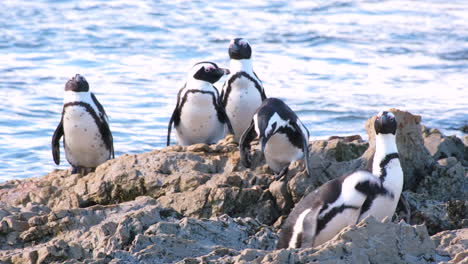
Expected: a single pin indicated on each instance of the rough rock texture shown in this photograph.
(154, 206)
(453, 245)
(368, 242)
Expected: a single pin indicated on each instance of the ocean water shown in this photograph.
(336, 63)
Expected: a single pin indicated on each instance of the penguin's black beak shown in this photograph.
(220, 72)
(224, 71)
(263, 142)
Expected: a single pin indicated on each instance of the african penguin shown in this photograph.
(198, 116)
(320, 215)
(386, 166)
(242, 92)
(87, 138)
(283, 137)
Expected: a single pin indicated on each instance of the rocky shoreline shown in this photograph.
(197, 204)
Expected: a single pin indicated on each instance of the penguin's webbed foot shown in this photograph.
(281, 176)
(74, 169)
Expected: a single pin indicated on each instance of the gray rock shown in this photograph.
(453, 245)
(368, 242)
(154, 206)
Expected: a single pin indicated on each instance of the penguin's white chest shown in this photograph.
(199, 121)
(243, 101)
(83, 142)
(279, 152)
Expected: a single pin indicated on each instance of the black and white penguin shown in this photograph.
(283, 137)
(242, 92)
(320, 215)
(87, 138)
(198, 116)
(386, 165)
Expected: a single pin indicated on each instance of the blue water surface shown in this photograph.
(335, 62)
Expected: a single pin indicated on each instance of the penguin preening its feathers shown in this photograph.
(242, 92)
(84, 126)
(198, 116)
(344, 201)
(282, 136)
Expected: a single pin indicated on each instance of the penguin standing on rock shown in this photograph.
(283, 137)
(242, 92)
(87, 138)
(386, 166)
(344, 201)
(198, 116)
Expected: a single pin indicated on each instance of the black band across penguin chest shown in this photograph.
(105, 134)
(293, 135)
(234, 78)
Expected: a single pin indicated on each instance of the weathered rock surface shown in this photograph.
(368, 242)
(153, 207)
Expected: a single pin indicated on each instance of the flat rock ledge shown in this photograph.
(198, 204)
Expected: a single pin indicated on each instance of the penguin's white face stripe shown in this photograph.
(279, 123)
(244, 42)
(390, 114)
(298, 228)
(197, 67)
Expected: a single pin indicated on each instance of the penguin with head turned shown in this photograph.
(344, 201)
(198, 116)
(242, 92)
(282, 135)
(84, 125)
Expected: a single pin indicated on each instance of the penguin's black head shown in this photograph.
(239, 49)
(208, 71)
(77, 84)
(385, 123)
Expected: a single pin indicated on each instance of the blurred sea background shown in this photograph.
(336, 63)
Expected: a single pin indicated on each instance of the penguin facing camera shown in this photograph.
(198, 116)
(84, 125)
(242, 92)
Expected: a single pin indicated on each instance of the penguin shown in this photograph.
(242, 92)
(84, 125)
(283, 137)
(322, 214)
(340, 202)
(386, 166)
(198, 116)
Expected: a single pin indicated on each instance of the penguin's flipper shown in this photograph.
(107, 136)
(99, 106)
(169, 127)
(56, 142)
(262, 93)
(175, 118)
(221, 97)
(222, 113)
(305, 147)
(244, 144)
